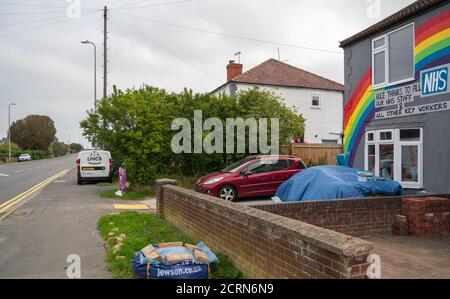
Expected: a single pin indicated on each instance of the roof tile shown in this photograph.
(274, 72)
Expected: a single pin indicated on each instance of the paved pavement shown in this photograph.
(16, 178)
(59, 220)
(408, 257)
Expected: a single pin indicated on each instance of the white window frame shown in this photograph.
(385, 49)
(397, 155)
(366, 150)
(320, 101)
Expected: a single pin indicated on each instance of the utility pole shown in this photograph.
(105, 50)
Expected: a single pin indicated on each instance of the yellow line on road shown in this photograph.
(24, 195)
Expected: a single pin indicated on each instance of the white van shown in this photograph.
(94, 165)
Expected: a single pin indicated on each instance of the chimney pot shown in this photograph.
(233, 70)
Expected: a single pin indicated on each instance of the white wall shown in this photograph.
(319, 122)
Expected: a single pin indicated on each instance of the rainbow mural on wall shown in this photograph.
(432, 49)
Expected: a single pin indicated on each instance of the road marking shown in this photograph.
(24, 195)
(3, 174)
(19, 171)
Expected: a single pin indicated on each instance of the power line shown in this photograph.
(139, 54)
(156, 4)
(36, 5)
(121, 53)
(232, 35)
(126, 6)
(30, 13)
(171, 52)
(61, 20)
(28, 22)
(129, 49)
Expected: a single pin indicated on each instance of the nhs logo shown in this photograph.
(435, 81)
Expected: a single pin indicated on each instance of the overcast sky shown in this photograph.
(45, 69)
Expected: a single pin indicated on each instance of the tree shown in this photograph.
(75, 147)
(34, 132)
(60, 149)
(135, 126)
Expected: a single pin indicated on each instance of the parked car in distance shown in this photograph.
(24, 157)
(94, 165)
(253, 176)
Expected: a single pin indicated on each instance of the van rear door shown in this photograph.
(94, 164)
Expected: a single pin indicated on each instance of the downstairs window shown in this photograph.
(397, 155)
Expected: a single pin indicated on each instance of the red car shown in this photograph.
(254, 176)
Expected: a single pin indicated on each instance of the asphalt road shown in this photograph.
(16, 178)
(57, 222)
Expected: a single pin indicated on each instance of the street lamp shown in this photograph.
(95, 77)
(95, 71)
(9, 130)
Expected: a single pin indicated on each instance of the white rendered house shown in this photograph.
(318, 99)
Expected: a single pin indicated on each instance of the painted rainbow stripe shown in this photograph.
(433, 42)
(432, 49)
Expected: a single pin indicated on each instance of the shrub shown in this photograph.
(135, 125)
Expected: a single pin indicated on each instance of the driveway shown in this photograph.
(59, 220)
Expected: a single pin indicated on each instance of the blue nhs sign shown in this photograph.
(435, 81)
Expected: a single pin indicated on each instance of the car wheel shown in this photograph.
(227, 193)
(79, 180)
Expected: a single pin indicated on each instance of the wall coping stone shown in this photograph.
(323, 238)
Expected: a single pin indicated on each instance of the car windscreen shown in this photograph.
(236, 166)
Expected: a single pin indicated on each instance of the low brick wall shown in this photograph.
(423, 217)
(359, 217)
(262, 244)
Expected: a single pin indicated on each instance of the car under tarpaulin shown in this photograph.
(334, 182)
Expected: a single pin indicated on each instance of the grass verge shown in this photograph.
(140, 192)
(133, 194)
(141, 229)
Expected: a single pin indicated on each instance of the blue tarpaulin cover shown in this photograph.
(334, 182)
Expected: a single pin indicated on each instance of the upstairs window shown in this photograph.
(315, 101)
(393, 57)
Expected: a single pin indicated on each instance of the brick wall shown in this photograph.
(368, 216)
(262, 244)
(423, 217)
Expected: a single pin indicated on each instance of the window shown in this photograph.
(276, 165)
(393, 57)
(396, 154)
(386, 135)
(233, 90)
(257, 167)
(315, 101)
(301, 165)
(329, 141)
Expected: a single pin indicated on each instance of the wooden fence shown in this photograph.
(314, 154)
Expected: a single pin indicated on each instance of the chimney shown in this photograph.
(233, 70)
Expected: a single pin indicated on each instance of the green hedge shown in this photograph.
(135, 125)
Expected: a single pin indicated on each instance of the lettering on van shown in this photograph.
(94, 159)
